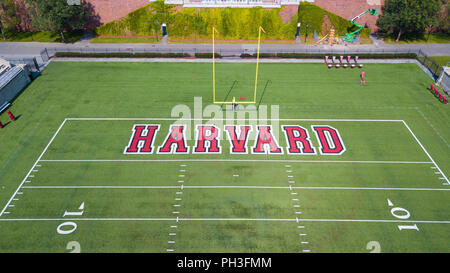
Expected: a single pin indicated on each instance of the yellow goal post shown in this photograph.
(214, 30)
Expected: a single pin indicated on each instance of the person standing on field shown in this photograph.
(363, 81)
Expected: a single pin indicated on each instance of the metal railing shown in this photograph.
(235, 51)
(429, 63)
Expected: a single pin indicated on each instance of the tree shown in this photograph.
(404, 16)
(8, 16)
(57, 15)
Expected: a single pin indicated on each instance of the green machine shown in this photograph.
(349, 37)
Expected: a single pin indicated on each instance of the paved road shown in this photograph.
(34, 48)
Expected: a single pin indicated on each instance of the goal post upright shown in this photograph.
(257, 62)
(214, 69)
(214, 66)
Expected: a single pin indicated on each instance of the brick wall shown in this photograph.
(351, 8)
(109, 10)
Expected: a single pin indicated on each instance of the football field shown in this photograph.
(366, 169)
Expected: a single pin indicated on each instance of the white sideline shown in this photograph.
(429, 156)
(229, 219)
(34, 165)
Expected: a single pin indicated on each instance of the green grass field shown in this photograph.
(65, 178)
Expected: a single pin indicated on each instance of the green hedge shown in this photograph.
(232, 23)
(207, 55)
(321, 56)
(196, 23)
(122, 55)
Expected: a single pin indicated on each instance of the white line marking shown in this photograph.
(6, 212)
(294, 199)
(176, 205)
(235, 175)
(290, 176)
(200, 119)
(182, 170)
(180, 181)
(296, 206)
(302, 234)
(178, 199)
(171, 242)
(34, 165)
(306, 250)
(298, 212)
(423, 148)
(31, 176)
(235, 160)
(15, 199)
(229, 219)
(172, 234)
(35, 170)
(390, 203)
(294, 193)
(305, 243)
(181, 175)
(183, 165)
(175, 212)
(231, 187)
(173, 226)
(169, 250)
(301, 227)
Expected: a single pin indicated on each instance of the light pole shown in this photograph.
(298, 30)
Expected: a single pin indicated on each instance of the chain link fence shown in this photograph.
(231, 51)
(430, 64)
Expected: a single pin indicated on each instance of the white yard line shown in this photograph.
(32, 168)
(227, 219)
(234, 187)
(237, 119)
(234, 160)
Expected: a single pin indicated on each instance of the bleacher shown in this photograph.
(13, 79)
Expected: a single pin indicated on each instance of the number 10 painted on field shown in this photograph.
(401, 213)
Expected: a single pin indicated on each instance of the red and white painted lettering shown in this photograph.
(238, 145)
(297, 140)
(141, 141)
(329, 139)
(207, 140)
(175, 142)
(264, 140)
